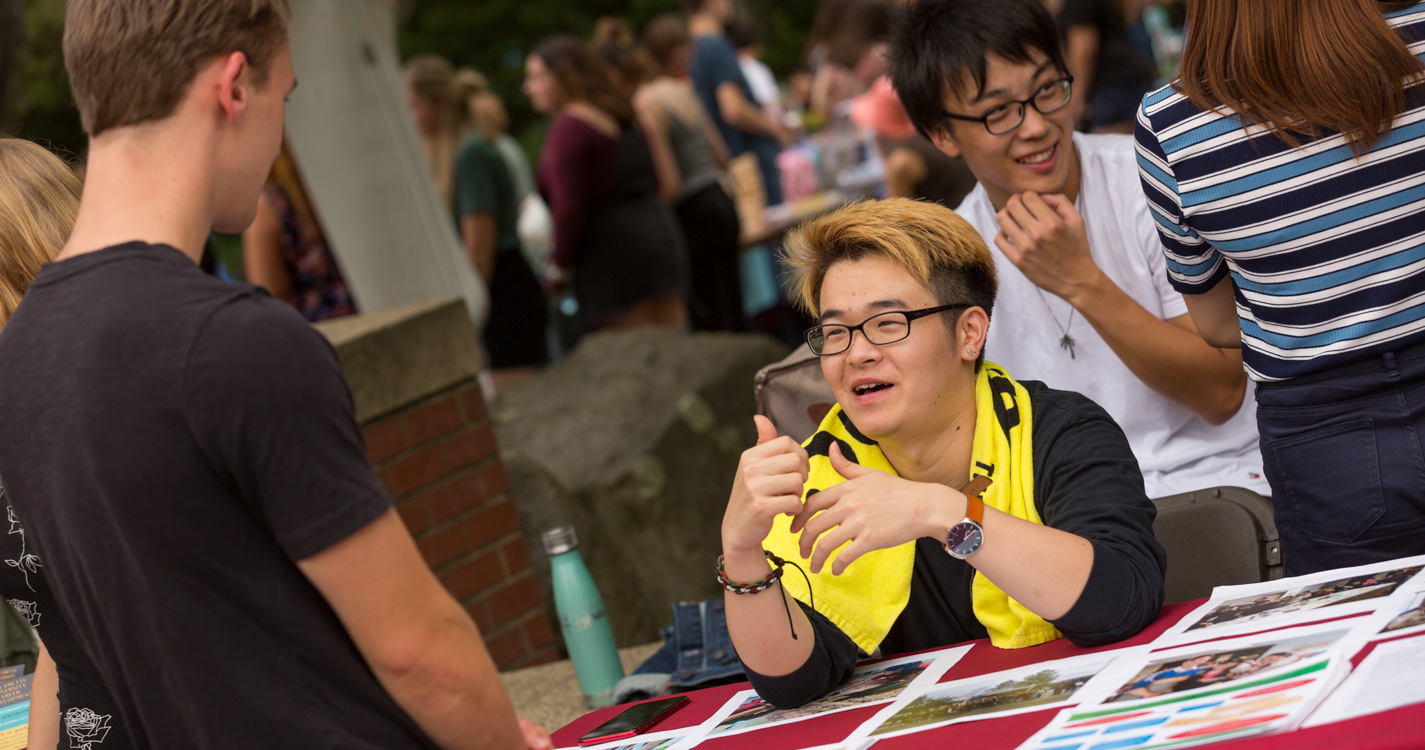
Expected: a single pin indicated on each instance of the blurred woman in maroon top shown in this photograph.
(617, 245)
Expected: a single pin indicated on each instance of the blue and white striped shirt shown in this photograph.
(1327, 250)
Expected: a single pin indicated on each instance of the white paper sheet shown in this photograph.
(1015, 691)
(1209, 667)
(1273, 702)
(1389, 677)
(1407, 618)
(871, 684)
(1253, 607)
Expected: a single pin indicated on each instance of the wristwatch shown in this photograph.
(964, 538)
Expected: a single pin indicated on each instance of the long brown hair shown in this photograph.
(39, 198)
(432, 78)
(1299, 66)
(583, 76)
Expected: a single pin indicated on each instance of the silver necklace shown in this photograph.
(1066, 342)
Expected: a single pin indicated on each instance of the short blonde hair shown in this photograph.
(931, 242)
(39, 197)
(131, 61)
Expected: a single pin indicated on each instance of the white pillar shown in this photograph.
(356, 146)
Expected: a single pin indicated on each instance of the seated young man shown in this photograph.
(963, 503)
(1085, 303)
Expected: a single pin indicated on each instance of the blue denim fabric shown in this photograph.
(697, 652)
(1343, 452)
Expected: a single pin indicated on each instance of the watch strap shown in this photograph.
(975, 505)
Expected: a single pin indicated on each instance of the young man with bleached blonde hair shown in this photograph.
(940, 500)
(183, 451)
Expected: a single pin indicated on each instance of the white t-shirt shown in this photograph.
(1177, 451)
(761, 81)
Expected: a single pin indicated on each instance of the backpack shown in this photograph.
(793, 394)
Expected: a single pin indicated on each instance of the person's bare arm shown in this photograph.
(719, 146)
(1044, 237)
(478, 233)
(1214, 314)
(745, 115)
(654, 121)
(1080, 51)
(769, 481)
(421, 645)
(44, 704)
(262, 252)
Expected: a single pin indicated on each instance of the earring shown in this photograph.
(969, 352)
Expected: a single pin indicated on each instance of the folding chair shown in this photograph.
(1217, 537)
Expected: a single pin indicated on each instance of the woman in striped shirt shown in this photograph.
(1286, 171)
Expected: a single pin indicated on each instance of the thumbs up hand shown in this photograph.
(769, 481)
(872, 510)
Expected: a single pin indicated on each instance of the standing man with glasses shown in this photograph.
(1085, 303)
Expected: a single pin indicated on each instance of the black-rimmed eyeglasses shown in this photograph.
(1004, 118)
(880, 329)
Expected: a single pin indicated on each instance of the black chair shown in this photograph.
(1217, 537)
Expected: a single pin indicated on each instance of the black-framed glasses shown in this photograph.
(880, 329)
(1004, 118)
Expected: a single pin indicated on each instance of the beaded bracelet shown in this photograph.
(755, 586)
(752, 588)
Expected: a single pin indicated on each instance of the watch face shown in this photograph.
(963, 539)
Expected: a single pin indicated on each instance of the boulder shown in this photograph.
(634, 439)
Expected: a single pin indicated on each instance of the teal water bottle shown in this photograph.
(582, 618)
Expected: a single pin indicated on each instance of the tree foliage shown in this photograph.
(39, 104)
(492, 37)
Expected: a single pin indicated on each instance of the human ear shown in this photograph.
(943, 141)
(233, 85)
(972, 330)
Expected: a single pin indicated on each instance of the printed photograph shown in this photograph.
(1220, 667)
(992, 696)
(1305, 598)
(1412, 616)
(874, 685)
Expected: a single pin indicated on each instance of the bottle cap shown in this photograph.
(560, 540)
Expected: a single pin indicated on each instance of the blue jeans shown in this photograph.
(1342, 451)
(696, 653)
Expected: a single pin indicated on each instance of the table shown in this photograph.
(1400, 728)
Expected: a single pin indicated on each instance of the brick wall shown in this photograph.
(439, 459)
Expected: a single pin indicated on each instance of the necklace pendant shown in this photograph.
(1067, 343)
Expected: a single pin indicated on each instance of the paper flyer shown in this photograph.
(870, 684)
(1389, 677)
(1253, 607)
(15, 712)
(1273, 701)
(1015, 691)
(1406, 619)
(1211, 666)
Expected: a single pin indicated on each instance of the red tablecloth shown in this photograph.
(1402, 728)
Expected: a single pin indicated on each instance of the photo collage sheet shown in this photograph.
(1253, 659)
(1259, 658)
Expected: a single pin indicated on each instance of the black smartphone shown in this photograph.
(635, 719)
